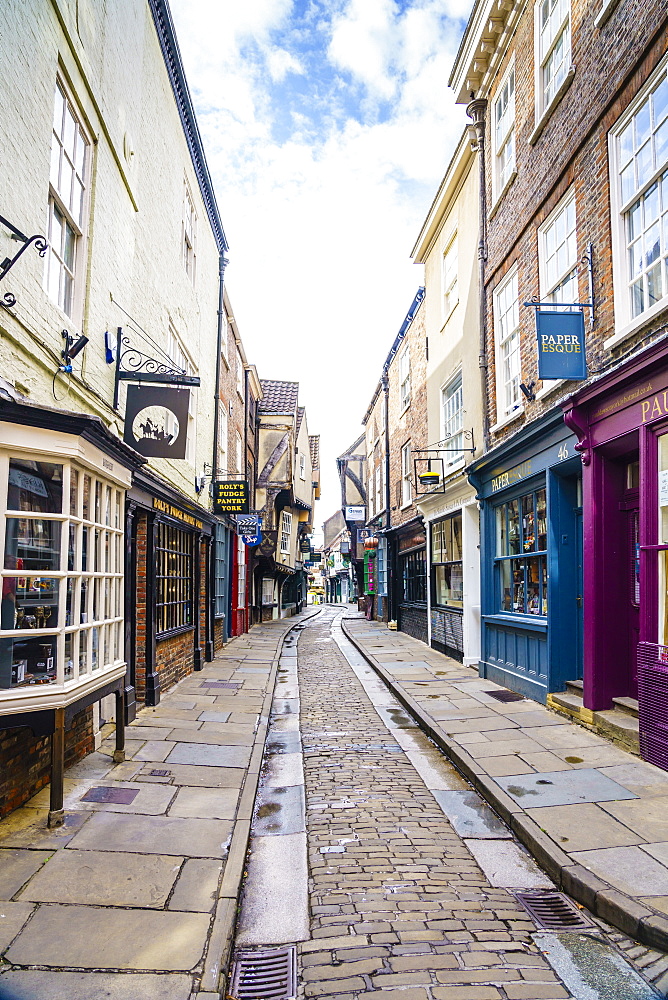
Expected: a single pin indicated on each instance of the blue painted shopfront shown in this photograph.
(529, 489)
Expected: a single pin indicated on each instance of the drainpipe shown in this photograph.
(389, 570)
(222, 264)
(476, 111)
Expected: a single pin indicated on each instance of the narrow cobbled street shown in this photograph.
(396, 901)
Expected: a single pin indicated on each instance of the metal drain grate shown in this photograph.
(553, 911)
(504, 695)
(264, 975)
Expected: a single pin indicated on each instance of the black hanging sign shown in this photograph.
(231, 497)
(156, 421)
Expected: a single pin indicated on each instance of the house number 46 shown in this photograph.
(563, 452)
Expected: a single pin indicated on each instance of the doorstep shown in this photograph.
(593, 815)
(618, 724)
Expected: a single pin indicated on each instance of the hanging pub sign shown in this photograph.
(231, 497)
(561, 345)
(156, 420)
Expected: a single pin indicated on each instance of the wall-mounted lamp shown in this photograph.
(528, 391)
(71, 349)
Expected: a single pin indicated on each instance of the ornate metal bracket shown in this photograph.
(41, 245)
(132, 365)
(586, 261)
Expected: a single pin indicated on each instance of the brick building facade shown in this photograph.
(573, 162)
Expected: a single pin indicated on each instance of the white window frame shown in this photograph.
(302, 466)
(240, 376)
(503, 129)
(546, 49)
(369, 494)
(189, 232)
(406, 476)
(625, 320)
(561, 285)
(405, 379)
(286, 531)
(452, 420)
(93, 623)
(450, 277)
(507, 347)
(67, 163)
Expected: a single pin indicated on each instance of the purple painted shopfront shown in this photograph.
(621, 421)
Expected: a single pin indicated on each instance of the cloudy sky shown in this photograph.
(327, 125)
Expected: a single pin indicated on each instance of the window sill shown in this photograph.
(162, 636)
(499, 197)
(544, 118)
(605, 12)
(37, 697)
(636, 324)
(511, 418)
(451, 470)
(547, 389)
(405, 506)
(406, 407)
(533, 624)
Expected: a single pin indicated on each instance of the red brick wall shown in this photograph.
(25, 759)
(174, 659)
(572, 150)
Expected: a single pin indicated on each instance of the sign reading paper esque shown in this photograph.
(156, 420)
(561, 345)
(231, 497)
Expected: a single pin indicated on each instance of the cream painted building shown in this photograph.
(108, 556)
(447, 246)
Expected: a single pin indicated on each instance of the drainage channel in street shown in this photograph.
(590, 968)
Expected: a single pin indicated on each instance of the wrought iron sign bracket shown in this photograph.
(132, 365)
(436, 479)
(41, 245)
(586, 261)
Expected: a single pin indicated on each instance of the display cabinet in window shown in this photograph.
(521, 554)
(62, 574)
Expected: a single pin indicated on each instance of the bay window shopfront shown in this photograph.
(63, 481)
(531, 559)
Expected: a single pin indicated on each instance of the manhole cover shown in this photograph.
(552, 910)
(105, 793)
(504, 695)
(159, 772)
(264, 975)
(221, 684)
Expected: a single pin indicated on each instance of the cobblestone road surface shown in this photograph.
(398, 903)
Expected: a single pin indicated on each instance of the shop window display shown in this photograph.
(62, 574)
(521, 553)
(446, 561)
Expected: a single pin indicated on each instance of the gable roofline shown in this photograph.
(403, 330)
(171, 53)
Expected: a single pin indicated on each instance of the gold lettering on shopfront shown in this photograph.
(180, 515)
(512, 476)
(655, 407)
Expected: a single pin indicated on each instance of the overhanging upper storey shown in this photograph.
(482, 48)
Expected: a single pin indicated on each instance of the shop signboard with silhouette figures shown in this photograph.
(156, 421)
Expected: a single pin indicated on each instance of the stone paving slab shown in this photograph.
(12, 918)
(103, 878)
(88, 937)
(630, 869)
(196, 888)
(199, 838)
(558, 788)
(214, 755)
(584, 827)
(16, 867)
(28, 984)
(205, 803)
(196, 775)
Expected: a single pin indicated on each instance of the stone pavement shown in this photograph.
(398, 904)
(134, 898)
(594, 816)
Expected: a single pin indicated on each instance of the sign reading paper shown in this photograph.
(561, 345)
(231, 497)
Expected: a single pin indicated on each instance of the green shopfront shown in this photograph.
(530, 493)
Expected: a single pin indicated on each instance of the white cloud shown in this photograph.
(321, 224)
